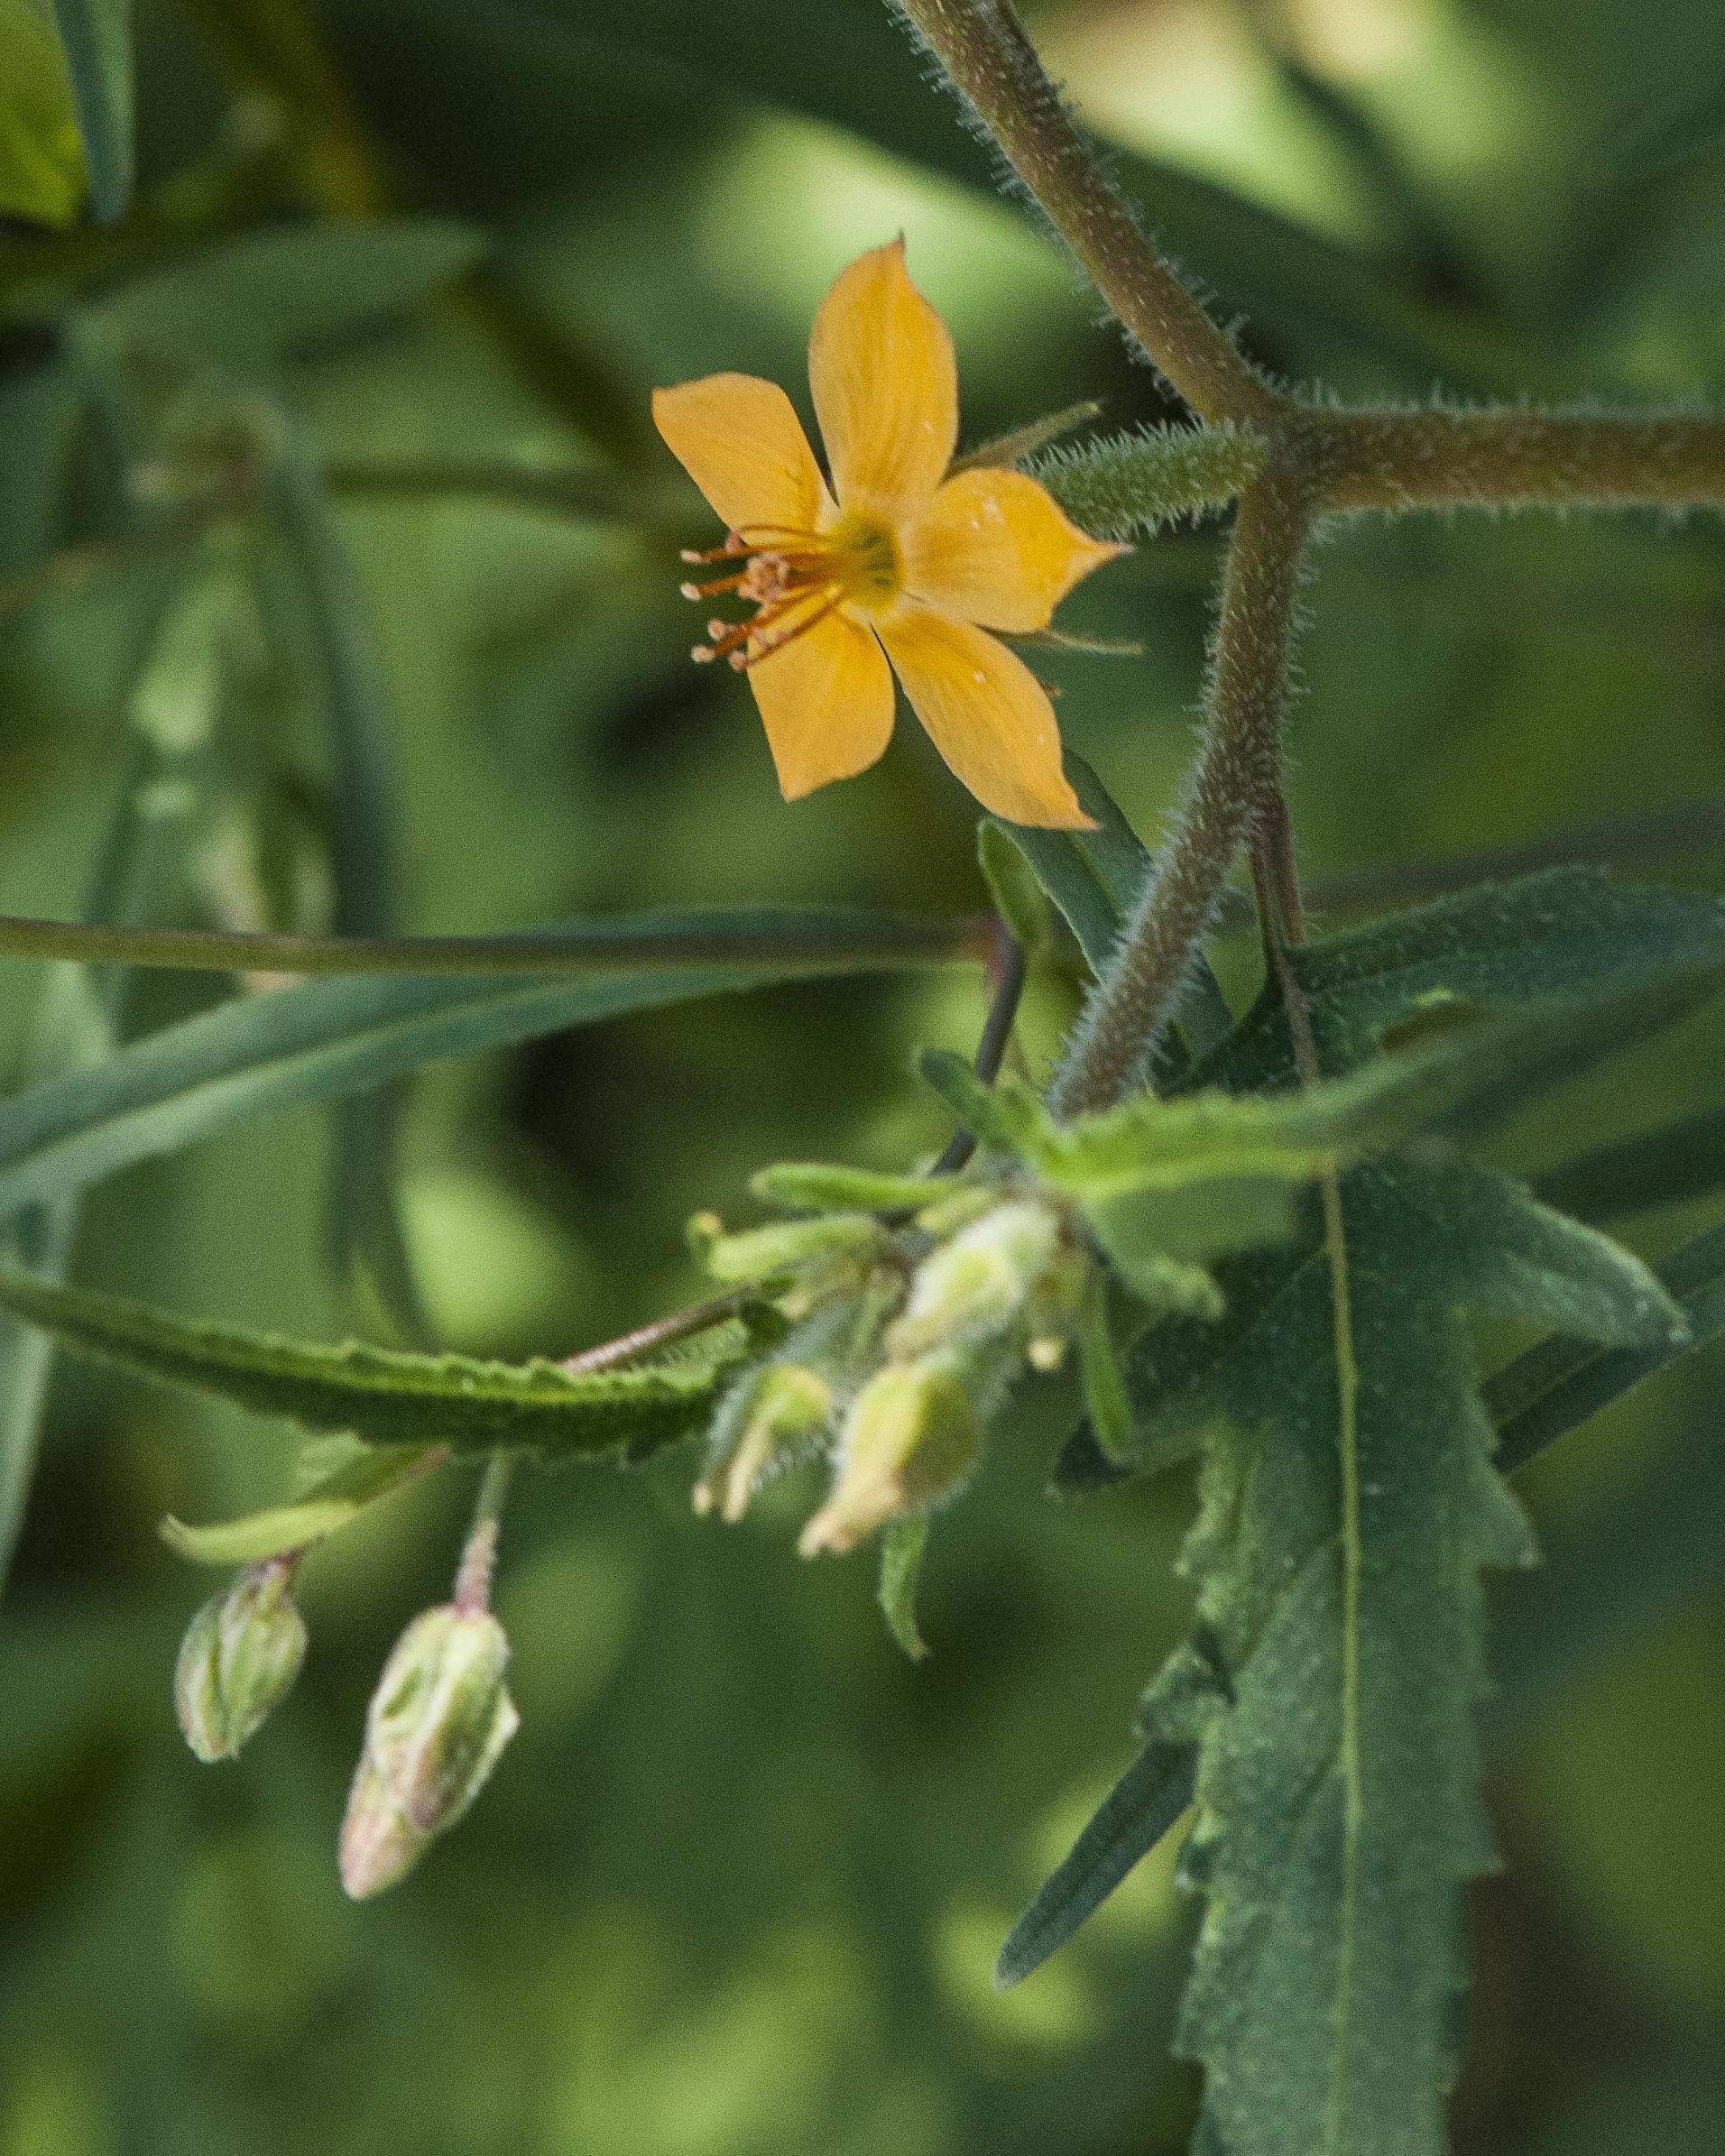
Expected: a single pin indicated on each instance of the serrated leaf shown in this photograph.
(325, 1506)
(901, 1550)
(334, 1036)
(383, 1397)
(1564, 932)
(1136, 1812)
(98, 38)
(1349, 1502)
(246, 303)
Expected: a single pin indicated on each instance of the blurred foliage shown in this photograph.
(737, 1888)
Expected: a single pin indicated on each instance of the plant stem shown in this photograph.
(479, 1553)
(1510, 457)
(1237, 776)
(1008, 970)
(992, 64)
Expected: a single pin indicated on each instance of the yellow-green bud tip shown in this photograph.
(910, 1438)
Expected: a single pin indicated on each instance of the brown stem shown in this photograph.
(985, 53)
(1238, 775)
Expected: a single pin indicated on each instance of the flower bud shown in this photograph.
(977, 1284)
(768, 1419)
(789, 1246)
(436, 1727)
(240, 1654)
(910, 1437)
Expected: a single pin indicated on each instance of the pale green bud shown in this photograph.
(240, 1654)
(910, 1437)
(791, 1245)
(437, 1726)
(768, 1419)
(978, 1283)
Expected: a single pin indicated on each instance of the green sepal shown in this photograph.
(813, 1187)
(384, 1397)
(902, 1542)
(328, 1506)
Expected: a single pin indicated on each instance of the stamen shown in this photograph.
(794, 579)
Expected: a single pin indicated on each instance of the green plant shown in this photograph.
(1256, 1236)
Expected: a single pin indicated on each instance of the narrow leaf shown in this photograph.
(335, 1035)
(1679, 1160)
(325, 1507)
(1562, 1381)
(1134, 1816)
(382, 1396)
(97, 37)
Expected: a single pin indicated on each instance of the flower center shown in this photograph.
(795, 579)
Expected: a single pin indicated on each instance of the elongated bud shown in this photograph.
(910, 1437)
(240, 1654)
(791, 1245)
(977, 1284)
(769, 1418)
(436, 1727)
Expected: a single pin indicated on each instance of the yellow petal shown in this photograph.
(743, 445)
(885, 385)
(993, 547)
(987, 713)
(827, 698)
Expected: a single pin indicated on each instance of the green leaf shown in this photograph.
(1147, 1801)
(1001, 1116)
(247, 302)
(42, 162)
(901, 1549)
(1564, 932)
(323, 1508)
(809, 62)
(1012, 885)
(1562, 1381)
(98, 38)
(1349, 1502)
(335, 1035)
(382, 1396)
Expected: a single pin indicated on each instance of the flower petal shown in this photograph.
(993, 547)
(827, 700)
(987, 713)
(885, 385)
(743, 445)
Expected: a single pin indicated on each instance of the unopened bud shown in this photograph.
(977, 1284)
(240, 1654)
(768, 1420)
(791, 1245)
(910, 1437)
(437, 1726)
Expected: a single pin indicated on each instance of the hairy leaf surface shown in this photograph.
(383, 1397)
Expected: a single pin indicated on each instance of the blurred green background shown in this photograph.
(736, 1889)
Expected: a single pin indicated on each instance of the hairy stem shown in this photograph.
(1237, 778)
(984, 51)
(1497, 458)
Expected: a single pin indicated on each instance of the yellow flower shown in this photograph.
(896, 562)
